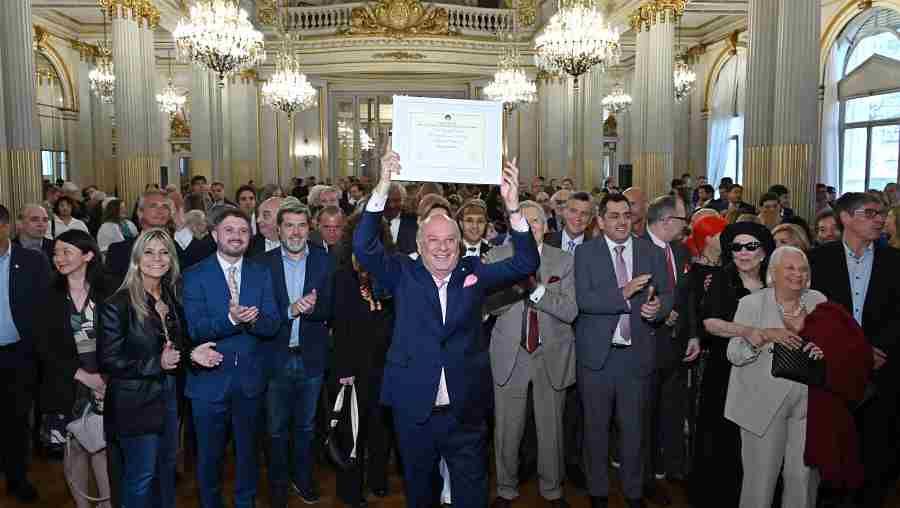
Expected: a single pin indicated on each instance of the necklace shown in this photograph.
(801, 309)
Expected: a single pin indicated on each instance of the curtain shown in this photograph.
(831, 115)
(727, 107)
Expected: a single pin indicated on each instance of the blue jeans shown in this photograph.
(149, 460)
(291, 402)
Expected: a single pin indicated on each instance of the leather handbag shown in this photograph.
(796, 365)
(341, 450)
(88, 429)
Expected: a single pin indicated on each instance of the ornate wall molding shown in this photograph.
(42, 44)
(656, 11)
(398, 55)
(141, 11)
(835, 26)
(399, 19)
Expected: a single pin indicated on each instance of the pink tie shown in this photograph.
(622, 279)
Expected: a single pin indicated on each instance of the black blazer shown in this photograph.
(196, 251)
(56, 349)
(881, 313)
(118, 257)
(361, 337)
(29, 280)
(46, 248)
(406, 236)
(257, 246)
(128, 352)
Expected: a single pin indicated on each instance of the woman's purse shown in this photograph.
(87, 426)
(796, 365)
(341, 452)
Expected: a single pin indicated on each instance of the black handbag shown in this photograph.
(796, 365)
(340, 444)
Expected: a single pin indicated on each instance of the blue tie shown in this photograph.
(571, 248)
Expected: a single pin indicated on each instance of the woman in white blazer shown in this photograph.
(770, 411)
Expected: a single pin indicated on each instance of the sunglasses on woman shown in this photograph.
(749, 247)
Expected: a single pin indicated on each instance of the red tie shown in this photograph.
(533, 332)
(669, 265)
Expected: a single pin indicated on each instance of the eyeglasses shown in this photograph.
(684, 219)
(871, 213)
(749, 247)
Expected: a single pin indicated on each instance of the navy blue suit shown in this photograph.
(230, 394)
(422, 344)
(295, 375)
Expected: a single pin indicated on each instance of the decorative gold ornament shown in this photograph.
(864, 5)
(650, 13)
(41, 36)
(87, 52)
(399, 19)
(732, 42)
(179, 128)
(141, 11)
(527, 11)
(266, 12)
(398, 55)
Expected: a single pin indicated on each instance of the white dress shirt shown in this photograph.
(395, 227)
(272, 244)
(666, 247)
(627, 254)
(184, 237)
(469, 249)
(225, 265)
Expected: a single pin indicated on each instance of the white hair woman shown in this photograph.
(772, 411)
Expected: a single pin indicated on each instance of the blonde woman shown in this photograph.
(791, 234)
(140, 343)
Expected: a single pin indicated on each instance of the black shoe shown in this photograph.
(657, 495)
(501, 502)
(24, 492)
(362, 503)
(599, 502)
(558, 503)
(380, 492)
(307, 496)
(575, 476)
(635, 503)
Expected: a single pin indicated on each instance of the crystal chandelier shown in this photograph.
(102, 77)
(685, 77)
(510, 85)
(288, 90)
(218, 35)
(576, 39)
(170, 99)
(617, 101)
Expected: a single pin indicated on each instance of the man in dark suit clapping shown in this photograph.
(437, 378)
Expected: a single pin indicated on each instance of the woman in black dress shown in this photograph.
(716, 475)
(363, 326)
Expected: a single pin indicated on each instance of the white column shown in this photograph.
(21, 177)
(201, 123)
(240, 132)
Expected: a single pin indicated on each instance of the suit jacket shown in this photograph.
(754, 395)
(314, 338)
(257, 246)
(554, 239)
(206, 302)
(556, 312)
(881, 313)
(486, 247)
(601, 303)
(406, 236)
(29, 282)
(423, 343)
(46, 247)
(670, 352)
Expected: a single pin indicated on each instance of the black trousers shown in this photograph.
(17, 367)
(373, 444)
(878, 425)
(668, 411)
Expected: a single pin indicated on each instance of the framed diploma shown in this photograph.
(448, 140)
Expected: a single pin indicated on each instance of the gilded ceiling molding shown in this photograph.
(526, 10)
(694, 53)
(399, 19)
(141, 11)
(656, 11)
(266, 11)
(398, 55)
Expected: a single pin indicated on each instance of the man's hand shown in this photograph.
(93, 381)
(672, 319)
(692, 351)
(509, 185)
(650, 309)
(304, 305)
(205, 355)
(346, 381)
(880, 358)
(390, 167)
(635, 285)
(241, 314)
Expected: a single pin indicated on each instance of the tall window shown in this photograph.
(733, 163)
(870, 127)
(54, 165)
(362, 124)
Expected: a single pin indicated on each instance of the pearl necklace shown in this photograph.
(801, 309)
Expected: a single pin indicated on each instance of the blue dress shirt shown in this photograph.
(8, 332)
(294, 280)
(859, 269)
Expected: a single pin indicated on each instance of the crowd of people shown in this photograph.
(556, 333)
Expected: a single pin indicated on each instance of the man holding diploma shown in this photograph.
(437, 377)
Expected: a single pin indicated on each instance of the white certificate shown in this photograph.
(448, 140)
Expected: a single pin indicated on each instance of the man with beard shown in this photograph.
(437, 378)
(228, 300)
(303, 278)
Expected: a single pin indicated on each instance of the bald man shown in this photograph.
(266, 237)
(638, 202)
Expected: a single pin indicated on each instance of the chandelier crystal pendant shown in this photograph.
(103, 77)
(510, 85)
(576, 39)
(219, 36)
(684, 77)
(617, 101)
(170, 99)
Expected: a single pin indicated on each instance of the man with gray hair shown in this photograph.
(154, 210)
(31, 230)
(533, 355)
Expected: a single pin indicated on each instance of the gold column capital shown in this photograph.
(656, 11)
(141, 11)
